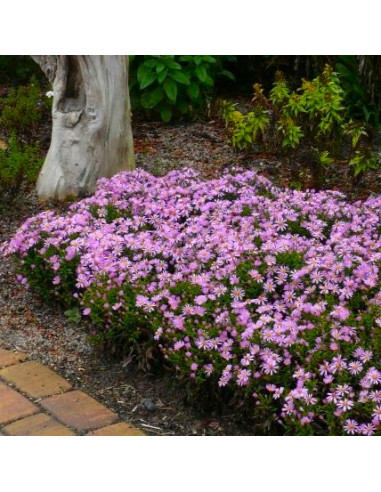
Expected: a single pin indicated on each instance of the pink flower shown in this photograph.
(243, 377)
(355, 367)
(341, 313)
(345, 404)
(351, 426)
(373, 376)
(377, 413)
(200, 300)
(367, 429)
(269, 292)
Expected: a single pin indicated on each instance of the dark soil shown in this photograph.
(154, 401)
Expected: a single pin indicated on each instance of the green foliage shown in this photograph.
(364, 160)
(18, 70)
(360, 77)
(358, 96)
(23, 108)
(186, 289)
(291, 259)
(295, 228)
(248, 128)
(73, 315)
(292, 133)
(355, 131)
(325, 159)
(169, 86)
(20, 161)
(311, 119)
(311, 112)
(280, 93)
(123, 330)
(41, 276)
(18, 164)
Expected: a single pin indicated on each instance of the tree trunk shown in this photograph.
(91, 135)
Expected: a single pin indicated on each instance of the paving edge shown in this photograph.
(111, 427)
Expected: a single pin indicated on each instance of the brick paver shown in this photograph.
(8, 358)
(37, 425)
(13, 406)
(78, 410)
(34, 379)
(63, 414)
(119, 429)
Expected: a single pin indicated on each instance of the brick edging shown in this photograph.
(35, 400)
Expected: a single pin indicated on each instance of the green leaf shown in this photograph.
(197, 59)
(227, 74)
(209, 59)
(166, 114)
(358, 170)
(151, 63)
(173, 65)
(186, 58)
(145, 77)
(152, 98)
(209, 81)
(160, 67)
(180, 77)
(193, 91)
(162, 76)
(170, 88)
(201, 73)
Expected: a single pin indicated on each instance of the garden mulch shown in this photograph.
(152, 401)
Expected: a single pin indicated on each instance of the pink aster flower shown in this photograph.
(351, 426)
(355, 367)
(373, 376)
(377, 413)
(340, 312)
(208, 368)
(243, 377)
(200, 300)
(345, 404)
(278, 392)
(288, 408)
(367, 429)
(375, 396)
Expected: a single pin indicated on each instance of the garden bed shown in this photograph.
(46, 334)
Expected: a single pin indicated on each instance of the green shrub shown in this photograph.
(168, 86)
(23, 108)
(18, 164)
(310, 120)
(362, 161)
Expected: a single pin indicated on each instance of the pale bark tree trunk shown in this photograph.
(91, 134)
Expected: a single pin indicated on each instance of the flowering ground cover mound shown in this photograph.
(269, 294)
